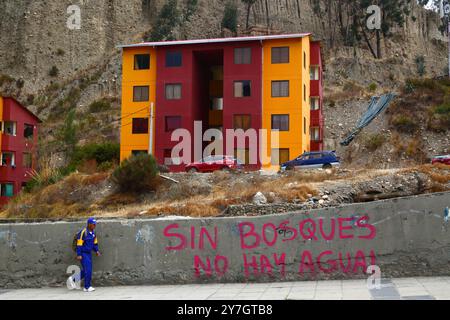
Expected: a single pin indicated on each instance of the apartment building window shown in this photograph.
(304, 92)
(242, 89)
(315, 134)
(173, 91)
(10, 128)
(141, 62)
(172, 123)
(242, 121)
(6, 190)
(304, 125)
(173, 59)
(314, 73)
(280, 122)
(138, 152)
(279, 156)
(140, 126)
(28, 131)
(280, 89)
(242, 55)
(140, 93)
(314, 102)
(304, 60)
(280, 55)
(8, 159)
(27, 160)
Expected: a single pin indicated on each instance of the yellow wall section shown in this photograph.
(295, 105)
(130, 109)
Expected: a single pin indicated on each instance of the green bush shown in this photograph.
(99, 106)
(230, 16)
(136, 174)
(100, 152)
(372, 87)
(53, 72)
(404, 123)
(374, 141)
(420, 64)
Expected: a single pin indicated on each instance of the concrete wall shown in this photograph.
(404, 237)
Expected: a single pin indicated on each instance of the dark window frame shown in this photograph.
(174, 59)
(135, 93)
(278, 55)
(28, 127)
(166, 127)
(243, 88)
(281, 129)
(280, 82)
(173, 85)
(140, 126)
(136, 61)
(248, 116)
(243, 55)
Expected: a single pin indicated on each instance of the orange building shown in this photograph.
(260, 82)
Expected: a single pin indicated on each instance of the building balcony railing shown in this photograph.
(316, 88)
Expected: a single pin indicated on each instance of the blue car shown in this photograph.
(313, 160)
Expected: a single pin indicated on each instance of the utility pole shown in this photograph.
(150, 142)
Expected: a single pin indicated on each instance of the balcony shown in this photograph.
(316, 88)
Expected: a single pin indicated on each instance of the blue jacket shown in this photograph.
(86, 242)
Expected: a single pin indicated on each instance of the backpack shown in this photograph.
(75, 240)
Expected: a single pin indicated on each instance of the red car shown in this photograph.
(441, 159)
(214, 163)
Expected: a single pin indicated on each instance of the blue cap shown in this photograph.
(92, 221)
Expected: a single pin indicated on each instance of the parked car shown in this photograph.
(215, 163)
(441, 159)
(311, 160)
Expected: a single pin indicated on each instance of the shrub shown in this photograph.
(372, 87)
(420, 63)
(404, 123)
(60, 52)
(53, 72)
(136, 174)
(374, 141)
(100, 152)
(229, 20)
(167, 20)
(99, 106)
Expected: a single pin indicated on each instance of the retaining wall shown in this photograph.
(404, 237)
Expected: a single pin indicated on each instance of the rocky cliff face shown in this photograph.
(38, 50)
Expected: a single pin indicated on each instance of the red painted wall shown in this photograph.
(13, 111)
(193, 104)
(317, 118)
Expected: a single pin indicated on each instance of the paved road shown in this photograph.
(430, 288)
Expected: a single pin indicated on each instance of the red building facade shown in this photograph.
(18, 143)
(316, 96)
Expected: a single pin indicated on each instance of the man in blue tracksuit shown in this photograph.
(86, 243)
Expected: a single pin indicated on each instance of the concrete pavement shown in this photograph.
(422, 288)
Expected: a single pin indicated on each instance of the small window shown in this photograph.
(140, 93)
(173, 123)
(304, 60)
(27, 160)
(280, 89)
(28, 131)
(314, 73)
(304, 92)
(173, 59)
(141, 62)
(242, 121)
(315, 103)
(8, 159)
(242, 89)
(280, 122)
(242, 55)
(10, 128)
(279, 156)
(173, 91)
(280, 55)
(304, 125)
(315, 134)
(7, 190)
(140, 126)
(138, 152)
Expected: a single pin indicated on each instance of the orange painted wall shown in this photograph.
(296, 105)
(130, 109)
